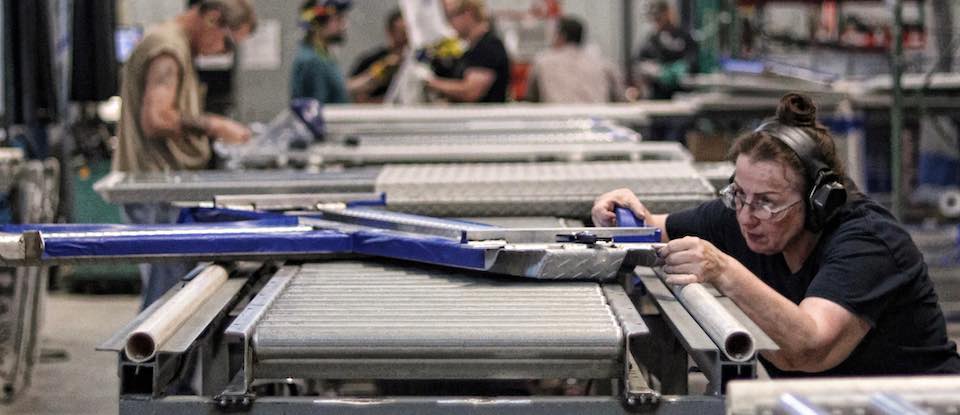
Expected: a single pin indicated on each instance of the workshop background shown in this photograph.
(892, 103)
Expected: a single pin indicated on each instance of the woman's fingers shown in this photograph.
(681, 257)
(681, 279)
(687, 268)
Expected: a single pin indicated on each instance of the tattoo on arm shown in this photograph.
(159, 115)
(167, 74)
(164, 71)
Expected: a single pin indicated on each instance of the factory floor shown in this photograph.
(84, 382)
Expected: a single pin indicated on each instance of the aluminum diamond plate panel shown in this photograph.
(544, 189)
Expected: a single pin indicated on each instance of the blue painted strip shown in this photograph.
(106, 227)
(655, 237)
(433, 250)
(382, 201)
(291, 242)
(429, 220)
(213, 215)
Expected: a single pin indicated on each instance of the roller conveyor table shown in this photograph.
(363, 319)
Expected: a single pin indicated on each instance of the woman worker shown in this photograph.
(826, 272)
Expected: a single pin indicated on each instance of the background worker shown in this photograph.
(569, 72)
(162, 127)
(482, 74)
(374, 71)
(667, 55)
(315, 73)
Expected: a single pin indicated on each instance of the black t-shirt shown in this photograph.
(365, 62)
(488, 52)
(865, 262)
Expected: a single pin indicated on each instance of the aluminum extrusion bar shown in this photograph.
(368, 313)
(458, 135)
(701, 348)
(145, 341)
(731, 337)
(464, 231)
(471, 152)
(367, 129)
(432, 405)
(202, 186)
(635, 112)
(281, 202)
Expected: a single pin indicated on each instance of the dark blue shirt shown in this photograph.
(317, 76)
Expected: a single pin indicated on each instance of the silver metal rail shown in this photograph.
(203, 186)
(624, 113)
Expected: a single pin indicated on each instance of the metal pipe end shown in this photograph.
(140, 347)
(739, 346)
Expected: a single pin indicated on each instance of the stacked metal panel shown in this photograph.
(537, 189)
(366, 319)
(202, 186)
(562, 189)
(375, 129)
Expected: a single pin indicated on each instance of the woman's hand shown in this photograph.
(690, 259)
(603, 208)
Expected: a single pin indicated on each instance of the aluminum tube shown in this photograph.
(893, 404)
(797, 405)
(730, 336)
(144, 341)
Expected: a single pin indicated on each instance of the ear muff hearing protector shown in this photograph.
(826, 192)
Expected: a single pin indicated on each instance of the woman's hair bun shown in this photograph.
(797, 110)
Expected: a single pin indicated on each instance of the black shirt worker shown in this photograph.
(482, 74)
(826, 272)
